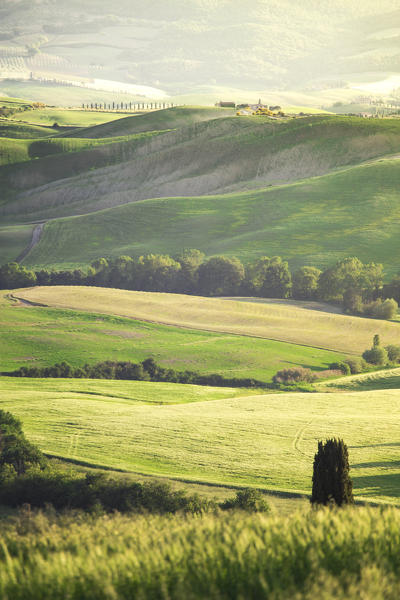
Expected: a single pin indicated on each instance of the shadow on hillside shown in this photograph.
(384, 445)
(373, 485)
(384, 463)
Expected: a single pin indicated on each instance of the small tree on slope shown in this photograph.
(331, 480)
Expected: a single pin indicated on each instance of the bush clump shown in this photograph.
(376, 356)
(294, 375)
(357, 365)
(249, 499)
(341, 366)
(393, 353)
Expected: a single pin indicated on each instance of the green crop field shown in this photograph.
(42, 336)
(15, 130)
(326, 554)
(67, 117)
(160, 120)
(266, 441)
(277, 321)
(18, 150)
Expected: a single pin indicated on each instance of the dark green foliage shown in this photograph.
(220, 276)
(393, 353)
(341, 366)
(148, 370)
(249, 499)
(294, 375)
(305, 283)
(376, 355)
(95, 491)
(13, 275)
(16, 453)
(356, 365)
(352, 276)
(269, 278)
(331, 480)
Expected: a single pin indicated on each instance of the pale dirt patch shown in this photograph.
(125, 334)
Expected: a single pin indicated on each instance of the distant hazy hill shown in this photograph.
(179, 45)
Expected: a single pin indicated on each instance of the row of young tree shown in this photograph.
(147, 370)
(358, 286)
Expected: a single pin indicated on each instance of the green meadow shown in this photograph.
(13, 240)
(68, 117)
(43, 336)
(314, 222)
(267, 441)
(282, 321)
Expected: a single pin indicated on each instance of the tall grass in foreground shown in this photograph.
(349, 554)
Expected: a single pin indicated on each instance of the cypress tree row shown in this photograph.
(331, 480)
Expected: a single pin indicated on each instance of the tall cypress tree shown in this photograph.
(331, 480)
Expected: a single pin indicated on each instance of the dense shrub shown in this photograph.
(148, 370)
(356, 365)
(376, 356)
(295, 375)
(341, 366)
(393, 353)
(95, 491)
(249, 499)
(381, 309)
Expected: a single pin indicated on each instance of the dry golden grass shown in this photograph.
(288, 323)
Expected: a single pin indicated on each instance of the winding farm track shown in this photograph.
(36, 235)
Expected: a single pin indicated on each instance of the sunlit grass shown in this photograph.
(207, 434)
(287, 323)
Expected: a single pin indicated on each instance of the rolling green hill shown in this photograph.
(267, 440)
(42, 336)
(159, 120)
(283, 321)
(221, 155)
(316, 222)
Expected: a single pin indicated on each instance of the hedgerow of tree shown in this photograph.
(358, 287)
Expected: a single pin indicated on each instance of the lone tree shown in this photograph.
(331, 481)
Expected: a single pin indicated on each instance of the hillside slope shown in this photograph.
(267, 441)
(284, 322)
(229, 154)
(317, 221)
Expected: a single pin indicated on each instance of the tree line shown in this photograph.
(147, 370)
(357, 286)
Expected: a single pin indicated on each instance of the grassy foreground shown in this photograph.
(343, 555)
(212, 435)
(270, 320)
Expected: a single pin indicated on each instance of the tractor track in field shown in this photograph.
(298, 438)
